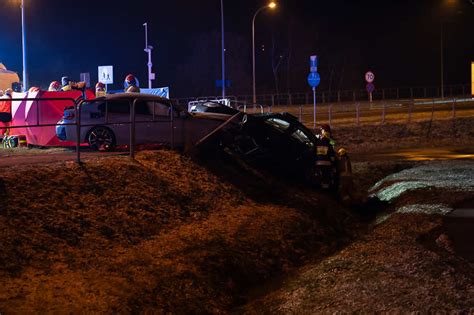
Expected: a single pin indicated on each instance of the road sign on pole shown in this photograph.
(370, 89)
(313, 67)
(106, 74)
(86, 77)
(313, 80)
(369, 77)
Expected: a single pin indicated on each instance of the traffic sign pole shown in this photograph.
(369, 78)
(313, 80)
(314, 108)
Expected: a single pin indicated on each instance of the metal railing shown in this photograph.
(341, 96)
(76, 104)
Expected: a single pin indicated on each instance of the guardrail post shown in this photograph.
(273, 100)
(172, 127)
(454, 109)
(410, 110)
(383, 113)
(301, 114)
(411, 93)
(78, 132)
(338, 96)
(132, 129)
(357, 114)
(330, 115)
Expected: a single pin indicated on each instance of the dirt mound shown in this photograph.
(161, 234)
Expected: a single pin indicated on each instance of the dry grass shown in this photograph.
(160, 234)
(403, 266)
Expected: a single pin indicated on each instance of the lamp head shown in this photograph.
(272, 5)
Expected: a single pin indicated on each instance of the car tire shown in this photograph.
(101, 138)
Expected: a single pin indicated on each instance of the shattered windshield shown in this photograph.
(278, 123)
(302, 137)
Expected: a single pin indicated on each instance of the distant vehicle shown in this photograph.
(211, 109)
(105, 122)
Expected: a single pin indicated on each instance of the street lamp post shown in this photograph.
(271, 5)
(441, 61)
(23, 42)
(148, 50)
(223, 49)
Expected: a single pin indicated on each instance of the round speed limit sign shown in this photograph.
(369, 77)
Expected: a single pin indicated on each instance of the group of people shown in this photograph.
(131, 85)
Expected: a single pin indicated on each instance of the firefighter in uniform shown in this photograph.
(345, 177)
(55, 86)
(131, 84)
(100, 89)
(6, 111)
(326, 158)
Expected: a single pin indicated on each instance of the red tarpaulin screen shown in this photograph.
(44, 109)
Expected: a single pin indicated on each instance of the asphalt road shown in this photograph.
(43, 156)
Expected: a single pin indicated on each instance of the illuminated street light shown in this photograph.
(148, 49)
(448, 4)
(23, 42)
(271, 5)
(222, 49)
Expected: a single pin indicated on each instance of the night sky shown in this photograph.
(398, 40)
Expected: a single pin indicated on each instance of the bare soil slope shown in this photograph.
(161, 234)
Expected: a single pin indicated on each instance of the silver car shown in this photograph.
(106, 122)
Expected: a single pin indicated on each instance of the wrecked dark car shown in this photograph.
(280, 144)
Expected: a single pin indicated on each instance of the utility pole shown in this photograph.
(223, 48)
(23, 40)
(148, 49)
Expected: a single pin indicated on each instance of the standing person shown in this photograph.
(6, 110)
(1, 93)
(346, 186)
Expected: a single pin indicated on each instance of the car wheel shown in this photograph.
(101, 139)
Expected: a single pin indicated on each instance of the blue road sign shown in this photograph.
(370, 87)
(314, 79)
(313, 64)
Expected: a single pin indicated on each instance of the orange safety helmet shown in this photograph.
(100, 86)
(55, 86)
